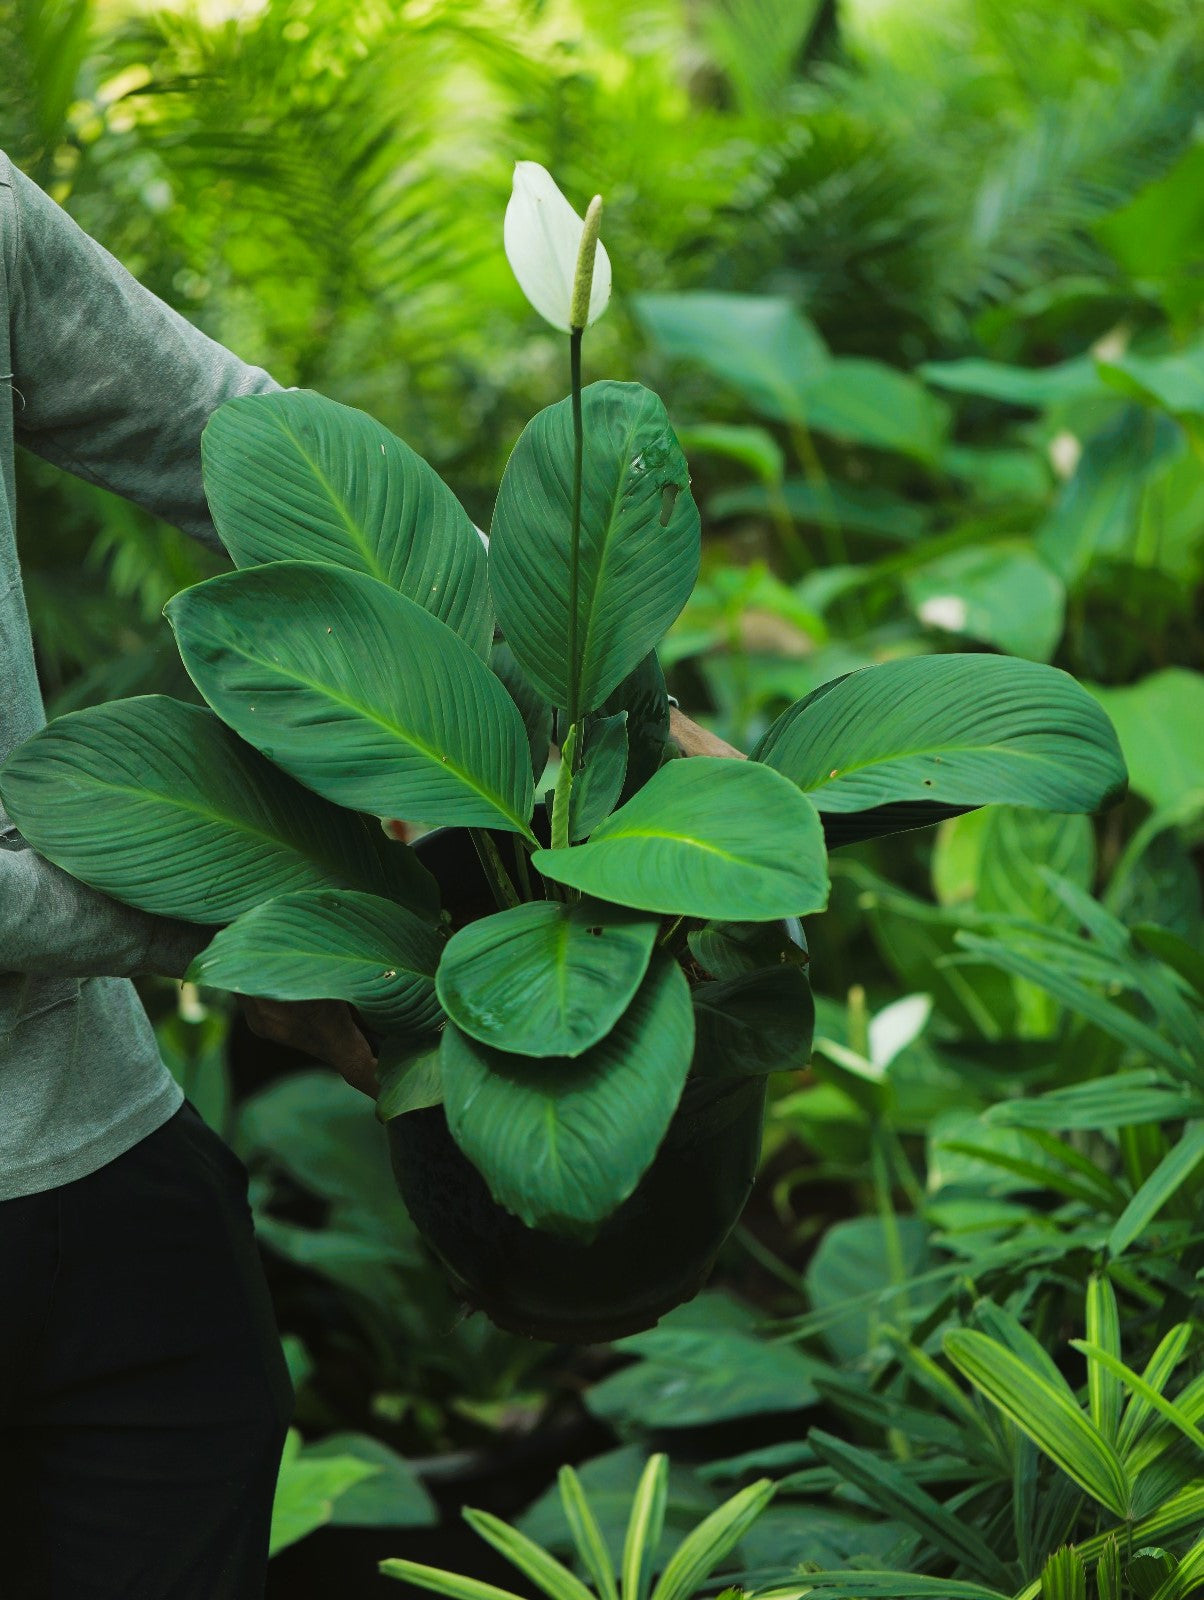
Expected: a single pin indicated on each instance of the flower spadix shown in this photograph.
(543, 237)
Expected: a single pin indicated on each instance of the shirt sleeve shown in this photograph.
(112, 384)
(115, 387)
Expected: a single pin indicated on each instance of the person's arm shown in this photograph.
(114, 386)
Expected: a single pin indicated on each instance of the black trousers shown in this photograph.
(144, 1397)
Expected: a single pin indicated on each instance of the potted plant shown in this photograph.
(576, 1003)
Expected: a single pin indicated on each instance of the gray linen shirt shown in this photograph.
(113, 385)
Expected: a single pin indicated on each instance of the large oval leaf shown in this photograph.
(321, 944)
(545, 979)
(562, 1142)
(296, 476)
(705, 837)
(639, 545)
(358, 692)
(949, 731)
(159, 804)
(754, 1023)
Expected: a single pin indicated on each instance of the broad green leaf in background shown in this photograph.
(963, 730)
(1098, 512)
(869, 403)
(753, 447)
(639, 542)
(545, 978)
(858, 508)
(1172, 382)
(1002, 595)
(1160, 724)
(1037, 387)
(561, 1142)
(1045, 1413)
(160, 804)
(393, 1497)
(298, 477)
(757, 1022)
(703, 1363)
(705, 837)
(759, 344)
(308, 1487)
(853, 1260)
(320, 944)
(358, 692)
(599, 779)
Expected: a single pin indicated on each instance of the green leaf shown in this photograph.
(359, 693)
(1187, 961)
(531, 1559)
(393, 1497)
(639, 542)
(598, 780)
(1184, 1583)
(448, 1583)
(1045, 1413)
(1174, 381)
(1160, 723)
(1099, 510)
(1152, 1397)
(562, 1141)
(159, 804)
(298, 477)
(868, 403)
(643, 696)
(865, 1585)
(644, 1527)
(757, 343)
(896, 1496)
(732, 949)
(1064, 1577)
(307, 1488)
(532, 707)
(756, 1022)
(1107, 1572)
(410, 1079)
(1171, 1173)
(545, 979)
(1123, 1100)
(587, 1535)
(1103, 1329)
(1037, 387)
(1002, 594)
(961, 730)
(324, 944)
(705, 837)
(705, 1546)
(852, 1277)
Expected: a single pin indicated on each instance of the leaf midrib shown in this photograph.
(436, 758)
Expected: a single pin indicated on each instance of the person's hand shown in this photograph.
(692, 740)
(326, 1029)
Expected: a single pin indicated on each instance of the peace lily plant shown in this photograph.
(574, 1034)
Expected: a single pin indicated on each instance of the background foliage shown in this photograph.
(924, 294)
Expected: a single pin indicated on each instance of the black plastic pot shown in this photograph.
(655, 1251)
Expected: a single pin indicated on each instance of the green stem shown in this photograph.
(563, 795)
(504, 891)
(520, 868)
(574, 705)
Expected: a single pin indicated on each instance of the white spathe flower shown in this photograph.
(542, 234)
